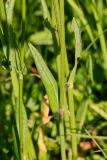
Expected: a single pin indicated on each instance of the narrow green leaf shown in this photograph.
(57, 21)
(78, 48)
(47, 79)
(2, 41)
(15, 143)
(90, 65)
(41, 38)
(2, 11)
(56, 14)
(4, 26)
(88, 136)
(14, 82)
(45, 10)
(10, 11)
(15, 138)
(81, 116)
(28, 147)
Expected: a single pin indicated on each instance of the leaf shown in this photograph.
(14, 82)
(4, 26)
(78, 46)
(15, 141)
(56, 13)
(2, 11)
(28, 147)
(41, 38)
(45, 10)
(78, 49)
(9, 11)
(90, 67)
(81, 116)
(47, 79)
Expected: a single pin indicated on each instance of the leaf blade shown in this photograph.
(78, 49)
(47, 79)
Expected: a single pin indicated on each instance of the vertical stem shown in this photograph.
(102, 38)
(62, 59)
(70, 154)
(21, 79)
(62, 139)
(67, 120)
(62, 79)
(73, 124)
(23, 31)
(21, 113)
(56, 22)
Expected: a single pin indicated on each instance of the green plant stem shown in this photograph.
(70, 154)
(62, 79)
(62, 35)
(67, 120)
(102, 38)
(85, 136)
(5, 26)
(21, 112)
(62, 53)
(58, 19)
(23, 32)
(56, 48)
(73, 124)
(21, 79)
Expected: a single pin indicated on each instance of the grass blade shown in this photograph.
(2, 11)
(10, 11)
(45, 10)
(78, 49)
(82, 17)
(47, 78)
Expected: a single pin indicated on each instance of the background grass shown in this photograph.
(40, 129)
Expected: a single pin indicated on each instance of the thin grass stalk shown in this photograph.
(62, 53)
(102, 38)
(73, 122)
(85, 136)
(62, 79)
(78, 48)
(21, 79)
(5, 27)
(8, 41)
(56, 10)
(21, 113)
(56, 17)
(23, 32)
(56, 49)
(57, 20)
(70, 154)
(67, 119)
(83, 19)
